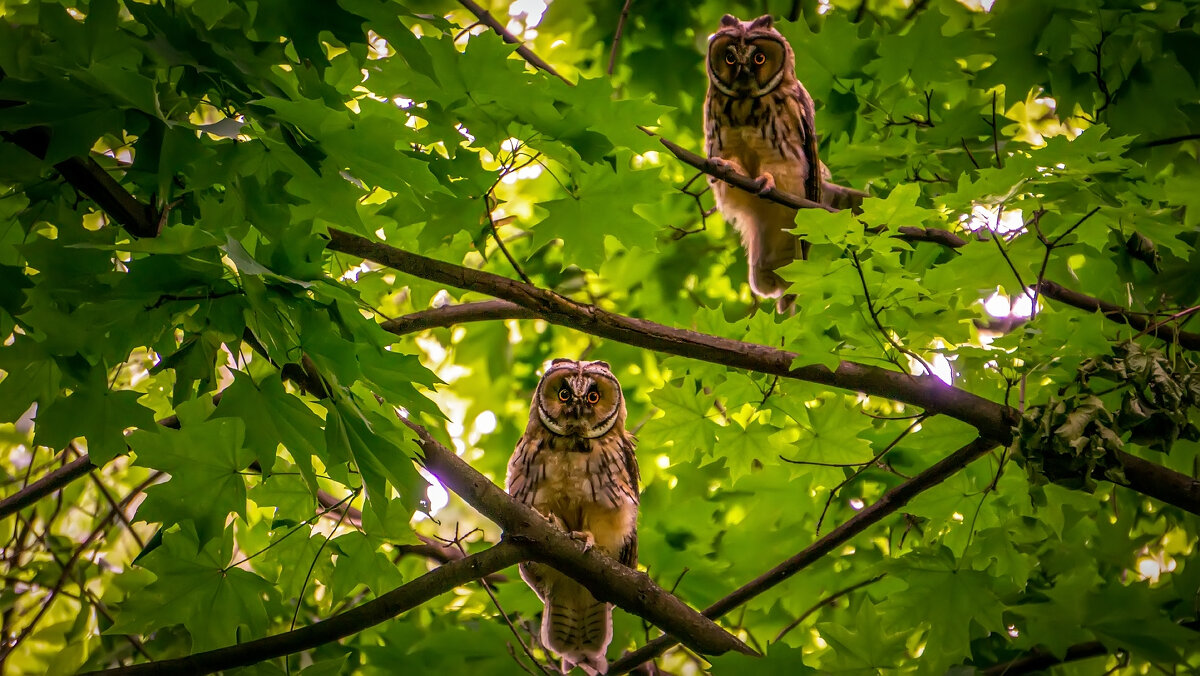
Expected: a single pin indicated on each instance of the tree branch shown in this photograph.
(92, 180)
(526, 53)
(606, 579)
(449, 315)
(612, 55)
(1040, 660)
(992, 420)
(891, 501)
(56, 480)
(925, 391)
(741, 181)
(1118, 314)
(405, 597)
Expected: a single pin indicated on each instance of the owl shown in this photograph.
(759, 121)
(576, 465)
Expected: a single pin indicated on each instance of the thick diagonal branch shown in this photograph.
(1116, 313)
(605, 578)
(891, 501)
(410, 595)
(449, 315)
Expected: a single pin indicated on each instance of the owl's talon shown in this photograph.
(556, 521)
(765, 183)
(584, 536)
(726, 165)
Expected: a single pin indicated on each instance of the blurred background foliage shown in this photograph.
(1058, 136)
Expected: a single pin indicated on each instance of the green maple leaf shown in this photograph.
(32, 375)
(741, 445)
(290, 494)
(948, 599)
(359, 562)
(373, 443)
(205, 463)
(897, 209)
(868, 646)
(780, 660)
(686, 427)
(831, 434)
(194, 587)
(273, 417)
(96, 413)
(601, 207)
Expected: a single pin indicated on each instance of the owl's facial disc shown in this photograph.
(578, 400)
(746, 67)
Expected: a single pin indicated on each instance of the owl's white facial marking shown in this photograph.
(579, 399)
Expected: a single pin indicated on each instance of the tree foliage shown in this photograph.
(189, 192)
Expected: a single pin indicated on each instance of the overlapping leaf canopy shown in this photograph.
(1057, 139)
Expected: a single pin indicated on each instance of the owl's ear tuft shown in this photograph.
(764, 21)
(561, 360)
(601, 364)
(729, 20)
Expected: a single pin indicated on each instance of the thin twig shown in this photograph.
(879, 325)
(496, 602)
(833, 492)
(526, 53)
(996, 135)
(970, 155)
(827, 601)
(996, 238)
(612, 55)
(287, 660)
(487, 213)
(97, 531)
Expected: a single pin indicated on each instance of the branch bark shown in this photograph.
(891, 501)
(992, 420)
(56, 480)
(449, 315)
(1040, 660)
(606, 579)
(1118, 314)
(430, 585)
(526, 53)
(925, 391)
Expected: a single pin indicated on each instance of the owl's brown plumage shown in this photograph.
(576, 465)
(759, 119)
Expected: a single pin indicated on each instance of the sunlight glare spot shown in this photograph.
(530, 10)
(438, 497)
(1022, 306)
(856, 504)
(940, 365)
(485, 423)
(957, 516)
(997, 305)
(984, 217)
(663, 461)
(1013, 631)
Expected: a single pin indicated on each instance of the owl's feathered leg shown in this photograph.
(577, 627)
(769, 247)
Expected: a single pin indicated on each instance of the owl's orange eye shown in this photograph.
(593, 397)
(729, 59)
(760, 58)
(564, 394)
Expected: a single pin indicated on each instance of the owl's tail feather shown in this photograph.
(579, 628)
